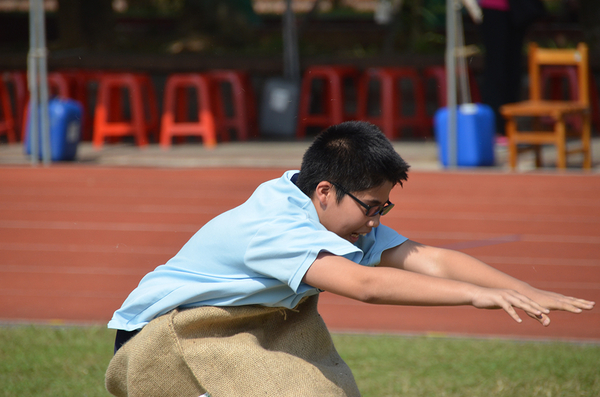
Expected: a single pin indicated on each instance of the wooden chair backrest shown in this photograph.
(577, 57)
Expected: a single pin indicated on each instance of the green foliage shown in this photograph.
(71, 361)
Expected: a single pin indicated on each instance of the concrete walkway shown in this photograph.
(422, 156)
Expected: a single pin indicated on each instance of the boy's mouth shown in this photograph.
(354, 236)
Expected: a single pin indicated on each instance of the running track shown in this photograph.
(74, 241)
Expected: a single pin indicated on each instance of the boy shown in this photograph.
(234, 312)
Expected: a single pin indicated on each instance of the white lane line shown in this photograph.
(54, 293)
(104, 207)
(99, 271)
(523, 260)
(118, 249)
(466, 238)
(491, 216)
(104, 226)
(499, 238)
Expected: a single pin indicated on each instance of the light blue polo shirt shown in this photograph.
(256, 253)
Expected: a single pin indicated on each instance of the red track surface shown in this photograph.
(74, 241)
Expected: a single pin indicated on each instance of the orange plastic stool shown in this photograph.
(7, 120)
(109, 118)
(333, 97)
(243, 106)
(174, 120)
(391, 119)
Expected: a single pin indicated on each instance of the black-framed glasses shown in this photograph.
(372, 210)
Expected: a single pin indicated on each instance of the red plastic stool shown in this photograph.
(79, 87)
(333, 97)
(392, 119)
(80, 80)
(59, 85)
(17, 80)
(7, 120)
(83, 86)
(554, 76)
(243, 104)
(174, 120)
(594, 103)
(109, 118)
(438, 74)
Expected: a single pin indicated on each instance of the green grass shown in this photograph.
(425, 366)
(71, 361)
(54, 361)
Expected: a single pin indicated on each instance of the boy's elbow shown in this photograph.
(364, 296)
(373, 299)
(379, 286)
(369, 291)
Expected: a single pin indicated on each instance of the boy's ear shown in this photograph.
(324, 193)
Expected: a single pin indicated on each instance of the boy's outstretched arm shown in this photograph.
(456, 265)
(389, 285)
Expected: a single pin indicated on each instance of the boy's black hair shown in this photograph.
(355, 155)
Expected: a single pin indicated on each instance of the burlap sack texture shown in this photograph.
(232, 351)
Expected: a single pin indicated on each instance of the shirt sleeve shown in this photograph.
(378, 240)
(286, 247)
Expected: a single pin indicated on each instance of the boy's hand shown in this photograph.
(555, 301)
(494, 298)
(537, 304)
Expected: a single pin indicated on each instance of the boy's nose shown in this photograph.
(374, 221)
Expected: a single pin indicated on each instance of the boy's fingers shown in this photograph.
(573, 305)
(528, 305)
(511, 312)
(514, 300)
(532, 308)
(556, 301)
(542, 318)
(585, 304)
(576, 305)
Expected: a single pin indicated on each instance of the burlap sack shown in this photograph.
(232, 351)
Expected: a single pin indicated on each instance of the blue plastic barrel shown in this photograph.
(474, 135)
(65, 129)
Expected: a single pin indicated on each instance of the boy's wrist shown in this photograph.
(474, 292)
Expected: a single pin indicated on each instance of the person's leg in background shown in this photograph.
(516, 63)
(497, 63)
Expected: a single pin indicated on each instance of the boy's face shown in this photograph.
(348, 218)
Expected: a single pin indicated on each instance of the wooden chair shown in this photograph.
(557, 112)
